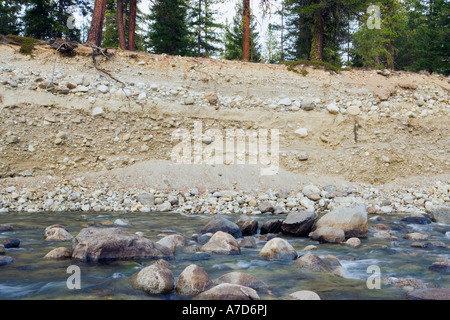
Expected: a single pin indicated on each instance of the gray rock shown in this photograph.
(222, 243)
(173, 241)
(146, 199)
(2, 249)
(441, 214)
(248, 242)
(430, 294)
(440, 266)
(193, 281)
(6, 227)
(248, 226)
(278, 248)
(97, 244)
(227, 291)
(59, 253)
(98, 111)
(308, 105)
(353, 242)
(416, 236)
(219, 223)
(57, 233)
(265, 207)
(189, 101)
(155, 279)
(312, 262)
(350, 219)
(271, 226)
(243, 279)
(11, 242)
(304, 295)
(285, 102)
(328, 234)
(5, 260)
(298, 223)
(103, 89)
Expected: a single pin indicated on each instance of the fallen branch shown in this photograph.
(96, 51)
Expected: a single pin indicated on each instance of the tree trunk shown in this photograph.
(132, 26)
(246, 35)
(98, 16)
(120, 25)
(317, 37)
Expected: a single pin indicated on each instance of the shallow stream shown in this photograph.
(32, 277)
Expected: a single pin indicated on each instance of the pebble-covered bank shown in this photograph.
(75, 195)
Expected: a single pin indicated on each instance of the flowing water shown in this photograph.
(32, 277)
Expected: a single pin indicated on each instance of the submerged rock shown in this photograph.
(304, 295)
(312, 262)
(430, 294)
(5, 260)
(59, 253)
(96, 244)
(227, 291)
(57, 233)
(11, 242)
(243, 279)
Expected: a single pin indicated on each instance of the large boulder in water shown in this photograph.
(155, 279)
(248, 226)
(96, 244)
(352, 220)
(219, 223)
(57, 232)
(279, 249)
(228, 291)
(193, 281)
(441, 214)
(299, 223)
(243, 279)
(222, 243)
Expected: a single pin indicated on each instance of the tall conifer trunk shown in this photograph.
(98, 16)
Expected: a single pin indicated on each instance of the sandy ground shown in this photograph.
(131, 143)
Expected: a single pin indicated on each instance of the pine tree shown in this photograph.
(39, 19)
(9, 11)
(204, 28)
(319, 28)
(272, 52)
(168, 29)
(233, 38)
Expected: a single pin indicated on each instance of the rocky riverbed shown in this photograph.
(358, 147)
